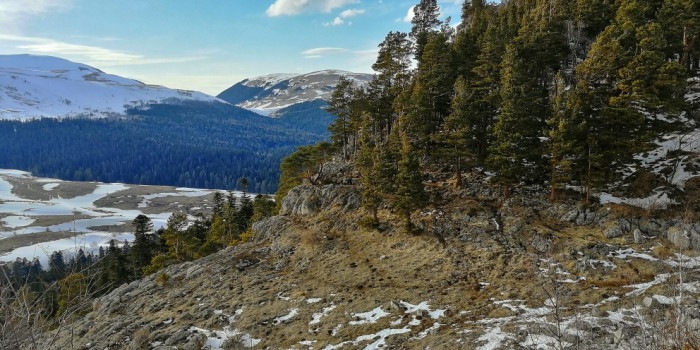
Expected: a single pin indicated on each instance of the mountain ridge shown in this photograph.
(51, 87)
(267, 94)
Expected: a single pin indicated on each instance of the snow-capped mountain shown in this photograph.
(44, 86)
(268, 94)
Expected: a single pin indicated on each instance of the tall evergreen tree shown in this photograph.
(143, 248)
(410, 193)
(429, 102)
(425, 21)
(561, 137)
(339, 105)
(516, 153)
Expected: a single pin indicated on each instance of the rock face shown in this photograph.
(309, 200)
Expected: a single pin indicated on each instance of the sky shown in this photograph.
(207, 45)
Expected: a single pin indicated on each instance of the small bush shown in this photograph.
(162, 279)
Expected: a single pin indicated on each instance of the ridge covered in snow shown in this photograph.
(45, 86)
(269, 93)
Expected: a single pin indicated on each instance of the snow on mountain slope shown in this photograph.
(269, 93)
(44, 86)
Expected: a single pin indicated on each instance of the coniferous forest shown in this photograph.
(193, 144)
(549, 93)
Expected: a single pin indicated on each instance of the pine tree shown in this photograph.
(516, 153)
(393, 67)
(144, 246)
(561, 138)
(425, 21)
(461, 133)
(410, 193)
(181, 243)
(429, 102)
(340, 106)
(681, 24)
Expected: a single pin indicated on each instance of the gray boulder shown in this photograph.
(307, 200)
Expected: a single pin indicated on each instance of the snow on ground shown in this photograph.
(43, 86)
(23, 213)
(50, 186)
(316, 317)
(653, 201)
(371, 316)
(16, 221)
(631, 253)
(292, 313)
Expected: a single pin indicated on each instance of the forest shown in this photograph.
(195, 144)
(551, 93)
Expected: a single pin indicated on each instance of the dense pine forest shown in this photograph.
(548, 93)
(194, 144)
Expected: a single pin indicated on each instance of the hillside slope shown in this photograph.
(51, 87)
(484, 274)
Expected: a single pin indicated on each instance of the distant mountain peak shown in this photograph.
(45, 86)
(267, 94)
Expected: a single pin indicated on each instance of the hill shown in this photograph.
(50, 87)
(70, 121)
(485, 274)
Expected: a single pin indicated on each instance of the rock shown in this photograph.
(650, 302)
(678, 237)
(307, 200)
(693, 231)
(269, 229)
(177, 338)
(540, 244)
(638, 236)
(612, 232)
(584, 216)
(654, 227)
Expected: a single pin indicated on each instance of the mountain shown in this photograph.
(66, 120)
(269, 94)
(297, 100)
(44, 86)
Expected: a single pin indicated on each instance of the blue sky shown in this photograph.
(206, 45)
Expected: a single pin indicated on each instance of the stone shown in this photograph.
(306, 200)
(677, 236)
(650, 302)
(540, 244)
(612, 232)
(638, 236)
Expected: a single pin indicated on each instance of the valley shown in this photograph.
(42, 215)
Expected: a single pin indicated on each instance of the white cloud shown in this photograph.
(93, 55)
(335, 22)
(295, 7)
(351, 13)
(14, 13)
(409, 15)
(323, 51)
(340, 20)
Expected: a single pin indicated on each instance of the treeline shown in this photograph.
(203, 145)
(64, 289)
(535, 92)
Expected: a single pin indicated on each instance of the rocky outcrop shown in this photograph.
(308, 200)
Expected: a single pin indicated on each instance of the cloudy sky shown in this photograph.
(206, 45)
